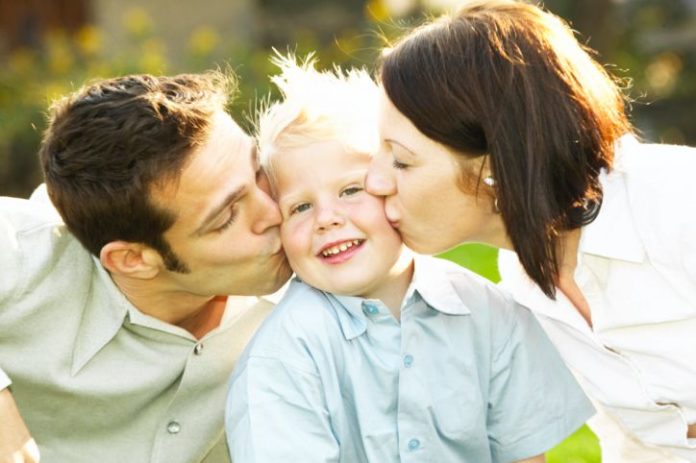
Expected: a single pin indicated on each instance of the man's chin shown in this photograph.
(281, 276)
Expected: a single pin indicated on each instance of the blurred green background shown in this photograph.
(50, 47)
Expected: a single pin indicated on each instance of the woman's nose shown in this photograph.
(380, 180)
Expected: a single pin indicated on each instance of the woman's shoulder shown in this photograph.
(657, 166)
(660, 191)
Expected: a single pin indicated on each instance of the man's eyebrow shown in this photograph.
(217, 210)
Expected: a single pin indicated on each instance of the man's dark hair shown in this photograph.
(110, 143)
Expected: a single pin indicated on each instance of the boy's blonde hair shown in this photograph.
(317, 106)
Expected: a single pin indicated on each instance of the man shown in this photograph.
(116, 334)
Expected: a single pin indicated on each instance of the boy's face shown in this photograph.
(336, 235)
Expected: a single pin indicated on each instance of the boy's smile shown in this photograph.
(335, 234)
(340, 251)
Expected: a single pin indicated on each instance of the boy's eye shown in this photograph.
(299, 208)
(350, 191)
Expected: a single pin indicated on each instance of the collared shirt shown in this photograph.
(637, 270)
(94, 378)
(466, 375)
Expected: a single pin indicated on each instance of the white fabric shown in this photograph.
(637, 269)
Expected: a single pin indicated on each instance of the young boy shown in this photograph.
(375, 355)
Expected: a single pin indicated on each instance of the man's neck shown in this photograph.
(194, 313)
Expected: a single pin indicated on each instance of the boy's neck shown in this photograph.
(392, 293)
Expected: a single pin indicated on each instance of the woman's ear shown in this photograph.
(133, 260)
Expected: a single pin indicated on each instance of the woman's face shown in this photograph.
(422, 180)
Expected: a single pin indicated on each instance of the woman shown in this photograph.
(498, 127)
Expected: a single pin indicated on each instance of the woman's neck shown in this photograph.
(567, 256)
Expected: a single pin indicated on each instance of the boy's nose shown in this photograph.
(328, 217)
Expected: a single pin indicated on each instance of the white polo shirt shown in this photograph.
(637, 269)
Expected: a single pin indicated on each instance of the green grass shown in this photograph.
(581, 446)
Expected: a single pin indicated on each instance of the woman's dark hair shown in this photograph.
(508, 80)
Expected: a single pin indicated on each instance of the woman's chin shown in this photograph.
(428, 246)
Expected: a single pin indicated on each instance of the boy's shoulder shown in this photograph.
(492, 308)
(303, 317)
(472, 289)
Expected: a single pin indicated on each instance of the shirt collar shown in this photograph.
(431, 281)
(104, 311)
(613, 234)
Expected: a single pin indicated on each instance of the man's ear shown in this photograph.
(131, 259)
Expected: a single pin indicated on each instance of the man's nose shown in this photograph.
(267, 210)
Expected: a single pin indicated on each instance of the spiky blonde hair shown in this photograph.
(317, 106)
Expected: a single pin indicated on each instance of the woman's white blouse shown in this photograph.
(637, 269)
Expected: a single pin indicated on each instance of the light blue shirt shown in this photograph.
(466, 375)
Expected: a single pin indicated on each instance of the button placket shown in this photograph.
(173, 427)
(198, 349)
(371, 308)
(408, 360)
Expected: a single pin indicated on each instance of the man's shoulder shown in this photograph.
(34, 241)
(26, 215)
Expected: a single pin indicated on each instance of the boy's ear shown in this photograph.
(133, 260)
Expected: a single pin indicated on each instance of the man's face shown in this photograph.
(227, 227)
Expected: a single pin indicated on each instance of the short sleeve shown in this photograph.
(10, 260)
(276, 412)
(4, 380)
(534, 401)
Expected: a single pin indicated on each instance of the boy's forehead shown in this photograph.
(317, 165)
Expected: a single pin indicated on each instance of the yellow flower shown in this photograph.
(59, 55)
(137, 22)
(152, 59)
(203, 41)
(89, 40)
(21, 61)
(662, 73)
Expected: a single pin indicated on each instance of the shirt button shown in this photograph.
(173, 427)
(198, 349)
(413, 444)
(408, 360)
(371, 309)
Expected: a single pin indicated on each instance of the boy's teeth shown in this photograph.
(333, 250)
